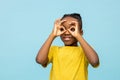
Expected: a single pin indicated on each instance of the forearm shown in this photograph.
(42, 56)
(89, 52)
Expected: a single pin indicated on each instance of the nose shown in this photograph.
(67, 32)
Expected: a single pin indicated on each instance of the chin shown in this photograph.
(67, 44)
(70, 44)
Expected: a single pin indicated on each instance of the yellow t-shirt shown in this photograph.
(68, 63)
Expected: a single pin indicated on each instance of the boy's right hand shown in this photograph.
(58, 28)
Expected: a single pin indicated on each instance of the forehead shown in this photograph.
(69, 19)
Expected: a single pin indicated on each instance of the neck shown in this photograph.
(74, 44)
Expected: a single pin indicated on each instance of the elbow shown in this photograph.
(38, 60)
(95, 63)
(41, 61)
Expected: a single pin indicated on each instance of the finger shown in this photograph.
(57, 21)
(74, 23)
(70, 31)
(62, 21)
(63, 31)
(72, 28)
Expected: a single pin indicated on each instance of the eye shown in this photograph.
(61, 29)
(72, 29)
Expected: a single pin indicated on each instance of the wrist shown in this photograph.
(52, 35)
(79, 36)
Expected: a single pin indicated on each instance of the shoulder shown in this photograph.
(54, 47)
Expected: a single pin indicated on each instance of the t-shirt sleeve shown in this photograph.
(51, 53)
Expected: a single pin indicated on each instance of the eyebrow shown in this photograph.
(72, 24)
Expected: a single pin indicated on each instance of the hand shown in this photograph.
(58, 27)
(74, 29)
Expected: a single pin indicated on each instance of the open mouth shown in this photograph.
(67, 37)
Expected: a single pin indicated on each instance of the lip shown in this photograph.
(67, 38)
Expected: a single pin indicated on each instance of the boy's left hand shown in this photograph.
(74, 29)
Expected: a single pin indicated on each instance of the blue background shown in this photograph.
(25, 25)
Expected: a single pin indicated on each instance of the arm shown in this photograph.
(42, 56)
(90, 53)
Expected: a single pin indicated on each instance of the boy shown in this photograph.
(69, 62)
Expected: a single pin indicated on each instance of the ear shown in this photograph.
(81, 32)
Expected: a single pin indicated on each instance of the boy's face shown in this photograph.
(66, 37)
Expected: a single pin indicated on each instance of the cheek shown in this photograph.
(74, 39)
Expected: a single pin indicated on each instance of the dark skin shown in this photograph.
(70, 32)
(69, 27)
